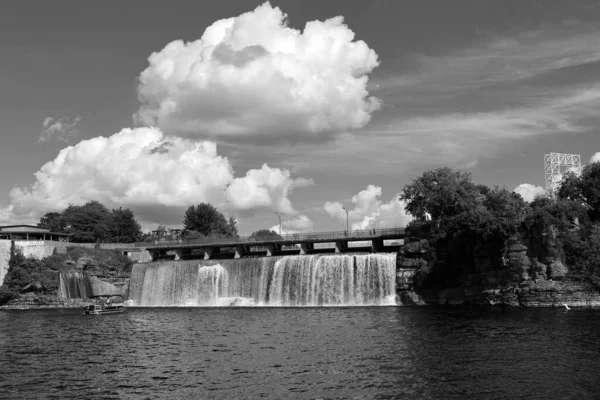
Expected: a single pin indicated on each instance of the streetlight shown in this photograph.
(344, 208)
(276, 213)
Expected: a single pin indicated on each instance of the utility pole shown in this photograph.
(347, 230)
(276, 213)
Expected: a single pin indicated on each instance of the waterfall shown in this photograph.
(74, 285)
(314, 280)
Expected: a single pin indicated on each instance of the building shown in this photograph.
(31, 232)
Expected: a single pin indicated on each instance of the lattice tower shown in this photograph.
(556, 165)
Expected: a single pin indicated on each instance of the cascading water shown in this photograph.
(74, 285)
(316, 280)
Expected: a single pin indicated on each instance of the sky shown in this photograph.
(302, 108)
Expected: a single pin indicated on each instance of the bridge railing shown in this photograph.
(291, 238)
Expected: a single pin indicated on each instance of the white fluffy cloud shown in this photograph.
(143, 169)
(299, 224)
(266, 187)
(62, 129)
(370, 212)
(529, 191)
(595, 158)
(253, 75)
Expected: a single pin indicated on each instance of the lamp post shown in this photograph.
(344, 208)
(276, 213)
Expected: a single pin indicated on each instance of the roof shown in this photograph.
(21, 225)
(28, 229)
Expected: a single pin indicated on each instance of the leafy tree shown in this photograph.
(265, 234)
(123, 227)
(439, 194)
(584, 189)
(233, 230)
(21, 271)
(53, 221)
(88, 223)
(206, 220)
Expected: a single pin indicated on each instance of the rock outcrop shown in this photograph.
(478, 274)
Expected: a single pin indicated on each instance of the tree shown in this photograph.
(124, 228)
(205, 219)
(88, 223)
(232, 227)
(53, 221)
(584, 189)
(265, 234)
(440, 193)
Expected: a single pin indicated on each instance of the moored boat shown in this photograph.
(105, 307)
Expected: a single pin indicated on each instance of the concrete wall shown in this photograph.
(4, 257)
(37, 249)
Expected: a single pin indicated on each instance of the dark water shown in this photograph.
(303, 353)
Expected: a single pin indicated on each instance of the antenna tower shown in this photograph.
(556, 165)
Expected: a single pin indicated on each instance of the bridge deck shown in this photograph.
(312, 238)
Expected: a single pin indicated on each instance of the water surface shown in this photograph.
(304, 353)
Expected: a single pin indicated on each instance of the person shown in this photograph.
(108, 301)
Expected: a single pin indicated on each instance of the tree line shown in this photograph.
(93, 222)
(449, 208)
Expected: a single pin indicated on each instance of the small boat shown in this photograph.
(105, 306)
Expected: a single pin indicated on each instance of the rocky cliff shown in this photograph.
(69, 279)
(532, 275)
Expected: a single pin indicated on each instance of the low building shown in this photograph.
(31, 232)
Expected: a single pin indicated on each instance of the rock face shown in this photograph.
(75, 277)
(409, 260)
(519, 276)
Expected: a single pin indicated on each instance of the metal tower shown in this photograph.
(556, 165)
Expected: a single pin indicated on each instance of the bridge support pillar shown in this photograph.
(377, 245)
(305, 247)
(272, 249)
(153, 254)
(340, 245)
(240, 250)
(210, 252)
(182, 254)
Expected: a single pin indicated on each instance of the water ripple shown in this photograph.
(304, 353)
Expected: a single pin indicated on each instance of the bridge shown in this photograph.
(373, 240)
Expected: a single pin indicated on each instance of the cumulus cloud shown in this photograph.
(143, 169)
(369, 211)
(254, 76)
(300, 224)
(529, 191)
(62, 129)
(264, 188)
(595, 158)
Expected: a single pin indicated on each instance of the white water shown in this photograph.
(340, 280)
(74, 285)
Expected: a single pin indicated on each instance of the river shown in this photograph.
(301, 353)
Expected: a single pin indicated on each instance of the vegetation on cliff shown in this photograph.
(463, 221)
(27, 274)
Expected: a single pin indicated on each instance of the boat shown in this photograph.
(105, 306)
